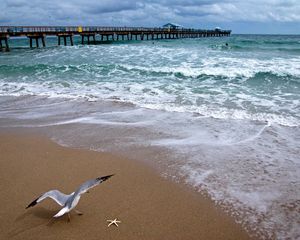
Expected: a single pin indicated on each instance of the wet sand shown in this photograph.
(148, 206)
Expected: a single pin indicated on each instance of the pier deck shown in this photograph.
(106, 33)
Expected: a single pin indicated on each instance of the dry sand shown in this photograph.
(149, 206)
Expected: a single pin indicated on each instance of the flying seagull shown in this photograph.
(68, 202)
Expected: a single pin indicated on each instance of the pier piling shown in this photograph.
(4, 38)
(43, 41)
(87, 36)
(6, 44)
(36, 37)
(65, 36)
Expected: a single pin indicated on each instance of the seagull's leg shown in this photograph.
(69, 217)
(78, 212)
(50, 221)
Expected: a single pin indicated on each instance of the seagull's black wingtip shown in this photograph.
(34, 202)
(105, 177)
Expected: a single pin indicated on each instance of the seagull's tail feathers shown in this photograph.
(61, 212)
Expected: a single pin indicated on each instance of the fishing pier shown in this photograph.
(38, 34)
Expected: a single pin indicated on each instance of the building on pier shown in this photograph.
(172, 26)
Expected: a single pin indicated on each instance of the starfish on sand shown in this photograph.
(115, 222)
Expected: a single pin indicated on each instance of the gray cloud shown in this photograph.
(111, 6)
(191, 13)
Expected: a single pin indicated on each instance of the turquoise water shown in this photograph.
(255, 77)
(226, 117)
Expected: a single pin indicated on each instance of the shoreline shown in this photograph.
(148, 206)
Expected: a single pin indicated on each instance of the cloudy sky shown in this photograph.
(242, 16)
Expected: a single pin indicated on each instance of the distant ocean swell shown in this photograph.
(214, 66)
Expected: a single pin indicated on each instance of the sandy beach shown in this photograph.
(148, 206)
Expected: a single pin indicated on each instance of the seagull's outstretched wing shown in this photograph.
(56, 195)
(90, 184)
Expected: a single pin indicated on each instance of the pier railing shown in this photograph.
(23, 30)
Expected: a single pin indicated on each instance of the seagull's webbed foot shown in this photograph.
(69, 217)
(78, 212)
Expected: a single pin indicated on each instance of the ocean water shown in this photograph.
(223, 119)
